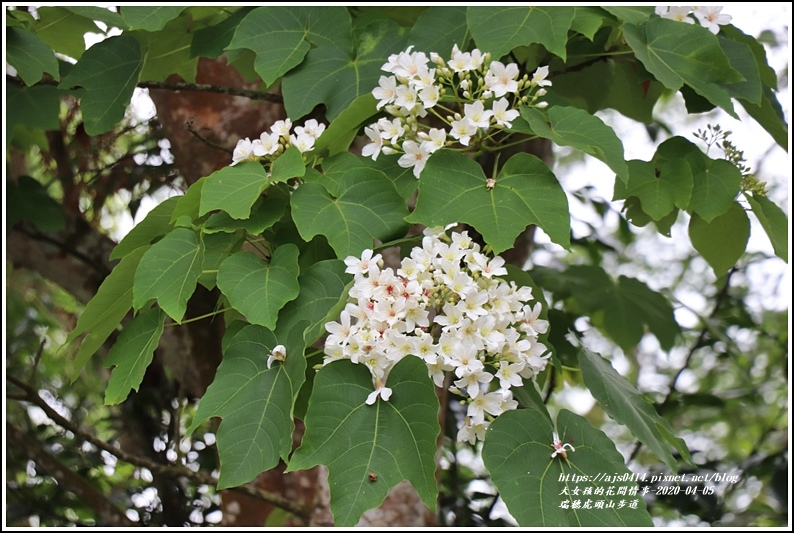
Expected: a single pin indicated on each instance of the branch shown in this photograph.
(156, 468)
(69, 479)
(699, 343)
(218, 89)
(179, 86)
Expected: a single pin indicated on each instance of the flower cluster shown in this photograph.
(446, 306)
(471, 96)
(708, 16)
(272, 144)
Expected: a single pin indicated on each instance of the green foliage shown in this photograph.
(537, 487)
(257, 290)
(168, 272)
(254, 401)
(132, 354)
(623, 402)
(453, 189)
(269, 238)
(108, 72)
(30, 56)
(370, 448)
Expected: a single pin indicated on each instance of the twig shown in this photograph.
(37, 360)
(206, 141)
(156, 468)
(699, 343)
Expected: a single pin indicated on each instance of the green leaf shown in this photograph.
(403, 179)
(168, 272)
(569, 126)
(105, 310)
(30, 56)
(150, 18)
(189, 203)
(334, 77)
(366, 207)
(132, 354)
(282, 35)
(438, 28)
(168, 51)
(265, 213)
(63, 30)
(217, 247)
(623, 309)
(156, 224)
(210, 42)
(722, 241)
(323, 290)
(340, 133)
(648, 307)
(623, 87)
(587, 20)
(35, 107)
(288, 165)
(257, 290)
(500, 30)
(536, 487)
(109, 71)
(453, 189)
(102, 14)
(717, 183)
(622, 401)
(742, 59)
(394, 440)
(29, 200)
(770, 116)
(234, 189)
(774, 222)
(655, 194)
(766, 73)
(255, 403)
(684, 53)
(632, 14)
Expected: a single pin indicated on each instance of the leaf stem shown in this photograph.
(197, 318)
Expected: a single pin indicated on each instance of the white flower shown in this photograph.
(434, 139)
(279, 353)
(508, 374)
(243, 151)
(462, 130)
(358, 266)
(387, 91)
(471, 432)
(312, 128)
(406, 97)
(415, 156)
(678, 13)
(501, 79)
(559, 447)
(477, 114)
(303, 142)
(710, 17)
(429, 95)
(502, 115)
(380, 390)
(391, 130)
(373, 148)
(539, 77)
(267, 144)
(282, 128)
